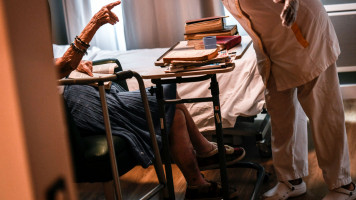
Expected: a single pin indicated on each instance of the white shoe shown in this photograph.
(284, 190)
(341, 194)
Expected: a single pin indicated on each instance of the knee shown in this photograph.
(179, 116)
(182, 108)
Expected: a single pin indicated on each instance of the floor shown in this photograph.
(138, 181)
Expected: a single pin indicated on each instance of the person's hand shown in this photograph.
(86, 67)
(104, 15)
(289, 12)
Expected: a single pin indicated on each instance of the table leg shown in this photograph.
(165, 141)
(214, 86)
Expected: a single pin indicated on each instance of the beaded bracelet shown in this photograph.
(78, 50)
(86, 45)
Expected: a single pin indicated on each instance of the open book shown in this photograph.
(219, 61)
(191, 55)
(102, 70)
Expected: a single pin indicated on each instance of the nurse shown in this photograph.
(297, 61)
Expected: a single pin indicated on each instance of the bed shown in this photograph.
(241, 91)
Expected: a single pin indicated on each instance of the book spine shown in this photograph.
(202, 35)
(201, 27)
(233, 43)
(226, 32)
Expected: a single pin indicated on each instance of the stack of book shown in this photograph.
(210, 26)
(182, 58)
(226, 36)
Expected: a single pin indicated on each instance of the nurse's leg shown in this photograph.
(289, 133)
(322, 102)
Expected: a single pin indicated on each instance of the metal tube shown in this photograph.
(260, 175)
(214, 86)
(84, 81)
(158, 160)
(152, 192)
(169, 176)
(114, 169)
(182, 80)
(192, 100)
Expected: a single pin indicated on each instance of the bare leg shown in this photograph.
(182, 150)
(200, 143)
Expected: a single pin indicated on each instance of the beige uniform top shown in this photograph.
(294, 56)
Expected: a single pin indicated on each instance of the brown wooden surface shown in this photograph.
(138, 181)
(236, 52)
(159, 72)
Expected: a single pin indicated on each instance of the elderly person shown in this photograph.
(190, 149)
(297, 61)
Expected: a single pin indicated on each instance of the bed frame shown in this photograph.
(343, 17)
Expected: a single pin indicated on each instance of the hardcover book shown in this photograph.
(227, 42)
(204, 25)
(228, 30)
(222, 42)
(191, 55)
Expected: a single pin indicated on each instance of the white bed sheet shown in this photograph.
(241, 91)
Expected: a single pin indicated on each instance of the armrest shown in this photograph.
(108, 60)
(119, 76)
(118, 69)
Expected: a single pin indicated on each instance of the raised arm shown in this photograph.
(74, 54)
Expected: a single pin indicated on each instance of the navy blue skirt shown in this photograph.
(127, 115)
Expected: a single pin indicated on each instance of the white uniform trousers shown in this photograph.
(322, 103)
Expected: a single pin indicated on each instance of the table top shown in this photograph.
(155, 72)
(239, 50)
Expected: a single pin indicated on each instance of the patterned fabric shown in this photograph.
(127, 115)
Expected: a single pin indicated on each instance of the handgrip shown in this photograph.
(124, 75)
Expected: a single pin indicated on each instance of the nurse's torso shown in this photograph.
(296, 56)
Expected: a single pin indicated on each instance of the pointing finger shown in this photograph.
(112, 5)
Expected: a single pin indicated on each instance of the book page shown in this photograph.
(107, 68)
(189, 53)
(194, 68)
(218, 59)
(77, 74)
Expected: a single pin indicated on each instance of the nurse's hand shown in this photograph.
(289, 12)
